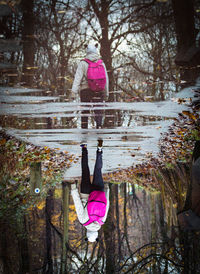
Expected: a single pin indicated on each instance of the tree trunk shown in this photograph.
(49, 211)
(126, 219)
(189, 221)
(4, 249)
(106, 55)
(153, 226)
(28, 41)
(191, 252)
(102, 15)
(147, 230)
(109, 236)
(162, 225)
(186, 36)
(153, 219)
(23, 249)
(65, 226)
(117, 221)
(35, 178)
(184, 23)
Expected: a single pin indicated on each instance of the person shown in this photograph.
(87, 192)
(80, 84)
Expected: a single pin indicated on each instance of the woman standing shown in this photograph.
(82, 85)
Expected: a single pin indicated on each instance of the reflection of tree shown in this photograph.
(189, 218)
(125, 219)
(48, 262)
(119, 239)
(24, 248)
(109, 236)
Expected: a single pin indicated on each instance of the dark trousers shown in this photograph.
(97, 184)
(90, 96)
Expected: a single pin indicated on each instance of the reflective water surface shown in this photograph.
(130, 131)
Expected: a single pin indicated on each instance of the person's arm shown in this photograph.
(78, 78)
(107, 192)
(107, 82)
(82, 213)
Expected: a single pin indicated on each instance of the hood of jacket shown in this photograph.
(95, 226)
(93, 56)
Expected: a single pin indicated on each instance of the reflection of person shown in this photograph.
(86, 94)
(93, 202)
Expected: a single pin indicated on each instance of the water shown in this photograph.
(130, 131)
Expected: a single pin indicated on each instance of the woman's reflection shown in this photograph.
(92, 203)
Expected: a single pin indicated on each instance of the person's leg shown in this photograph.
(98, 97)
(85, 178)
(85, 96)
(98, 183)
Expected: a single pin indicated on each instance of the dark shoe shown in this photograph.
(83, 146)
(100, 143)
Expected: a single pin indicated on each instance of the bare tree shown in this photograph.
(58, 40)
(114, 24)
(28, 41)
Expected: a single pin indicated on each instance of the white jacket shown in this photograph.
(80, 79)
(80, 202)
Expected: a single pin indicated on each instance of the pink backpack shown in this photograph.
(96, 207)
(96, 75)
